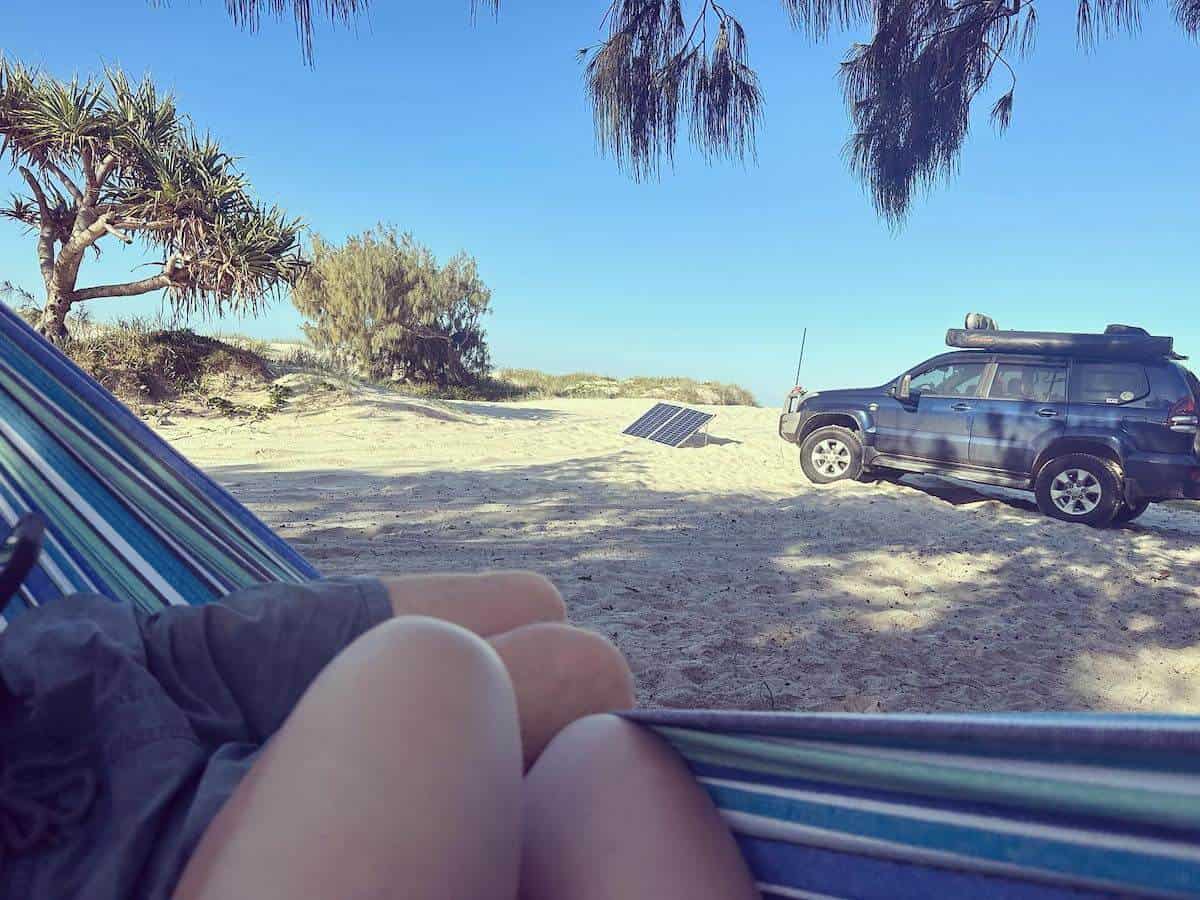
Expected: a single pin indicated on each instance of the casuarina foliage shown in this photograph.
(668, 67)
(383, 304)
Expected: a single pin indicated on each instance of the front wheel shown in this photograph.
(1080, 488)
(831, 454)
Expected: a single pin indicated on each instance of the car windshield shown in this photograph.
(953, 379)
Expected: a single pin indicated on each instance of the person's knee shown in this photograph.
(605, 781)
(587, 659)
(595, 752)
(597, 732)
(537, 595)
(441, 656)
(608, 666)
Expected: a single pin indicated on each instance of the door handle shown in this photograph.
(961, 407)
(1047, 413)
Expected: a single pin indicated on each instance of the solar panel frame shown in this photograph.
(681, 427)
(654, 419)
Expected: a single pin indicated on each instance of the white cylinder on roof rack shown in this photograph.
(980, 322)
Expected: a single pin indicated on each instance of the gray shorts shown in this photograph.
(123, 733)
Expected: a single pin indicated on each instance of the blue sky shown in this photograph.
(480, 138)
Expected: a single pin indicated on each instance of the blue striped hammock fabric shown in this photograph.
(128, 516)
(823, 806)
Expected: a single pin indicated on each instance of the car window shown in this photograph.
(1111, 383)
(948, 380)
(1019, 381)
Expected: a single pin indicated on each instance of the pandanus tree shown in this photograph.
(106, 159)
(666, 67)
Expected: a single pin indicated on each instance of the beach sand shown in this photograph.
(726, 578)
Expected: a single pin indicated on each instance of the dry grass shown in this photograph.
(535, 384)
(144, 365)
(526, 384)
(147, 362)
(148, 365)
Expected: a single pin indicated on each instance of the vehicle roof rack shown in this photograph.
(1117, 342)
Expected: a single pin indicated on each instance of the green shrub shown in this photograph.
(382, 304)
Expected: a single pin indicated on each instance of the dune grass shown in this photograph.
(537, 384)
(531, 384)
(142, 361)
(148, 362)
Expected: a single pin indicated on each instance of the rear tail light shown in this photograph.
(1183, 416)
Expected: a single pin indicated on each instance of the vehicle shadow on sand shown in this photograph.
(961, 493)
(700, 441)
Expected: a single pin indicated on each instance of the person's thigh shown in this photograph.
(487, 604)
(561, 674)
(397, 775)
(611, 812)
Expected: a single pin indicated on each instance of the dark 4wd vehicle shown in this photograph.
(1096, 436)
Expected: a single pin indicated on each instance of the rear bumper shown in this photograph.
(1162, 477)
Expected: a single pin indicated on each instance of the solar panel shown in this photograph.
(656, 418)
(681, 427)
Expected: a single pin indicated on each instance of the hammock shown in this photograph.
(823, 806)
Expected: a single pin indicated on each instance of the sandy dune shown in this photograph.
(727, 579)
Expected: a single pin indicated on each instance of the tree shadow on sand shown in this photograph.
(859, 597)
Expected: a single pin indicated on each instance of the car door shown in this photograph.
(935, 422)
(1023, 410)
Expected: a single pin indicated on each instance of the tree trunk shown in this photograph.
(54, 317)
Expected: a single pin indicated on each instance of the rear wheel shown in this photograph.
(831, 454)
(1080, 488)
(1128, 513)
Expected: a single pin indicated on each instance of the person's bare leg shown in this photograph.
(487, 604)
(397, 775)
(611, 812)
(561, 674)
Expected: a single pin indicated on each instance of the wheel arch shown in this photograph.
(823, 419)
(1104, 447)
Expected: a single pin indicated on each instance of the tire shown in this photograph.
(1081, 488)
(1128, 513)
(831, 454)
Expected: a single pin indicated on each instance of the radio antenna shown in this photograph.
(803, 341)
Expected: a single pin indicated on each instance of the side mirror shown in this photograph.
(902, 389)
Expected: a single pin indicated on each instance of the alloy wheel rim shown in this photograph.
(831, 457)
(1076, 492)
